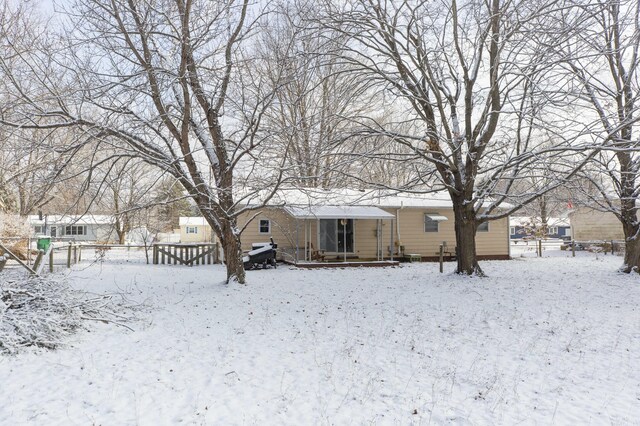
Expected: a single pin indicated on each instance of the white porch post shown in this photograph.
(377, 239)
(391, 246)
(305, 240)
(297, 241)
(344, 237)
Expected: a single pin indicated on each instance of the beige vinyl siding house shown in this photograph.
(195, 230)
(592, 225)
(404, 232)
(282, 228)
(491, 244)
(380, 226)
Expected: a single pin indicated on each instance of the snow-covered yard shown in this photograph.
(541, 341)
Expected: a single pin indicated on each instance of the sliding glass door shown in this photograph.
(334, 235)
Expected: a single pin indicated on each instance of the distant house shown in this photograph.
(531, 227)
(195, 230)
(337, 224)
(592, 225)
(99, 228)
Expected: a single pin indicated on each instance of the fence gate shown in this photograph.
(185, 254)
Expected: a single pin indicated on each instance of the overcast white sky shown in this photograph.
(47, 7)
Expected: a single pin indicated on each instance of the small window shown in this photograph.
(192, 229)
(430, 225)
(75, 230)
(483, 227)
(39, 229)
(553, 230)
(264, 226)
(512, 230)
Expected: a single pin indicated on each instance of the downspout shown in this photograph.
(297, 241)
(398, 226)
(509, 236)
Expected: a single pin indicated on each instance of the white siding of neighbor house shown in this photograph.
(103, 233)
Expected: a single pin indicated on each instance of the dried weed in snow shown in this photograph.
(42, 311)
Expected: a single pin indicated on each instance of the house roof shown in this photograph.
(338, 212)
(87, 219)
(351, 197)
(192, 221)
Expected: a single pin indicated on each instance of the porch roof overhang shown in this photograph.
(338, 212)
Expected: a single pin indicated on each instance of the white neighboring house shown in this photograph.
(87, 227)
(195, 230)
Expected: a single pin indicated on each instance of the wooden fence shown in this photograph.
(185, 254)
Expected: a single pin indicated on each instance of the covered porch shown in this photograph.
(342, 236)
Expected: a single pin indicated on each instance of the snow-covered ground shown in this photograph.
(541, 341)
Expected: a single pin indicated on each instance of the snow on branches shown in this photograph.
(43, 311)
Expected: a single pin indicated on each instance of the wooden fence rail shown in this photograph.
(8, 254)
(185, 254)
(171, 253)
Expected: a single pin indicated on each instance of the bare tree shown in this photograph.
(314, 97)
(125, 189)
(603, 61)
(467, 76)
(174, 83)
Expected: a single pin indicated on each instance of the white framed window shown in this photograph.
(430, 225)
(75, 230)
(192, 229)
(483, 227)
(512, 230)
(553, 230)
(39, 229)
(264, 226)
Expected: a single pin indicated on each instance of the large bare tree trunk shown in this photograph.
(232, 247)
(606, 65)
(631, 256)
(631, 230)
(465, 228)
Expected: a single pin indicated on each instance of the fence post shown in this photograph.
(75, 254)
(155, 254)
(612, 250)
(69, 256)
(38, 261)
(441, 258)
(573, 248)
(51, 259)
(79, 253)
